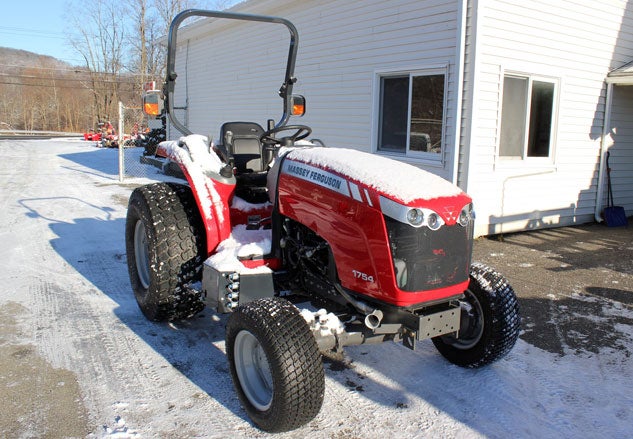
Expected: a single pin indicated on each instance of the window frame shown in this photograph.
(417, 156)
(524, 157)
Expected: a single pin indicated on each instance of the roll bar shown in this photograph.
(170, 80)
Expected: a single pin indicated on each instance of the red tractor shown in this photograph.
(309, 249)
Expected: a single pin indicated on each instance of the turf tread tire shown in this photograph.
(176, 245)
(294, 359)
(502, 321)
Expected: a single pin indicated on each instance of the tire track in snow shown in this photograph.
(166, 357)
(73, 322)
(144, 371)
(126, 377)
(131, 357)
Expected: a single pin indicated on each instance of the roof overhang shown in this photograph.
(622, 75)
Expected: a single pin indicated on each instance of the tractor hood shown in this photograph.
(375, 212)
(379, 182)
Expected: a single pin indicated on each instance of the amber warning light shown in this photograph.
(298, 105)
(152, 103)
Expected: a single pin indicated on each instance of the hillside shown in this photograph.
(24, 58)
(42, 93)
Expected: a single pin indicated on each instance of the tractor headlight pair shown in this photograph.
(414, 216)
(420, 216)
(424, 217)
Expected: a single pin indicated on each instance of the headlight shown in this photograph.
(466, 215)
(434, 221)
(415, 217)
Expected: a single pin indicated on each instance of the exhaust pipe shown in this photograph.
(373, 316)
(372, 321)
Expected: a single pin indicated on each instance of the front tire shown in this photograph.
(165, 244)
(275, 364)
(490, 321)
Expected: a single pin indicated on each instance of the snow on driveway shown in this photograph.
(65, 282)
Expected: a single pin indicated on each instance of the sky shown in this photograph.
(41, 26)
(38, 26)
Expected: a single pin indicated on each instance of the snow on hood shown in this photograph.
(242, 243)
(393, 178)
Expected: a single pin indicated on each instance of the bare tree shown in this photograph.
(168, 9)
(121, 46)
(101, 45)
(138, 12)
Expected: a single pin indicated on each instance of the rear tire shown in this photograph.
(165, 245)
(275, 364)
(490, 321)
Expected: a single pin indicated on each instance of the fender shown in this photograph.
(211, 190)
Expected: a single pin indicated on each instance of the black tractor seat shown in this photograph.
(250, 160)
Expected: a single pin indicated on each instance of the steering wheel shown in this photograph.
(301, 132)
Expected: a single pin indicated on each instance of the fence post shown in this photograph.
(120, 142)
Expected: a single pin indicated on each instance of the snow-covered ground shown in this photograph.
(65, 282)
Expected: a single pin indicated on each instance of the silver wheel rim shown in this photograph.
(471, 325)
(141, 254)
(253, 370)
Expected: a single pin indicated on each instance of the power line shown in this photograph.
(122, 77)
(61, 86)
(22, 31)
(77, 70)
(57, 69)
(25, 29)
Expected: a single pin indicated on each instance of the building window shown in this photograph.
(412, 114)
(527, 117)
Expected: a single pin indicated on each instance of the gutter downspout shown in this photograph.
(603, 141)
(459, 59)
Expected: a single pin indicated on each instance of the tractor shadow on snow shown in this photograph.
(103, 161)
(387, 374)
(95, 248)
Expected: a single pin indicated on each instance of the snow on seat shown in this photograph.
(242, 244)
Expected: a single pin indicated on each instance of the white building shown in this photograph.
(515, 101)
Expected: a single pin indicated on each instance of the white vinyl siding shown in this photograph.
(233, 75)
(342, 44)
(577, 42)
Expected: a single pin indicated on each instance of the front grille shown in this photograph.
(425, 259)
